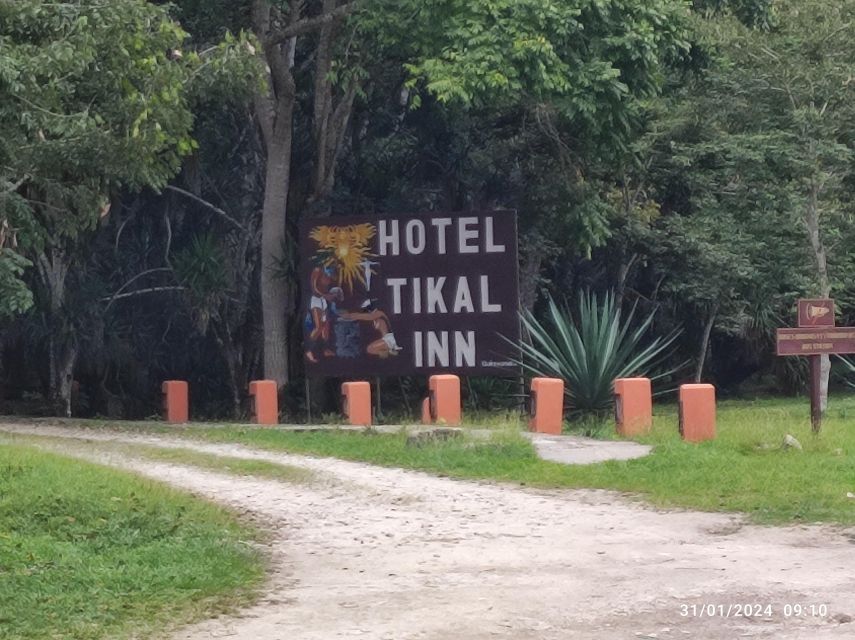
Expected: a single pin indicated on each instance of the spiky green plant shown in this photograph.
(590, 352)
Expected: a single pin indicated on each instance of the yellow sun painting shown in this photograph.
(347, 248)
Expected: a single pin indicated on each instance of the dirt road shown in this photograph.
(389, 554)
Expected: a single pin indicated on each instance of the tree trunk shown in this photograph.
(278, 32)
(624, 269)
(705, 343)
(812, 223)
(275, 111)
(274, 290)
(532, 256)
(53, 266)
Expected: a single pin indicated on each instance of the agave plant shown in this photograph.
(591, 353)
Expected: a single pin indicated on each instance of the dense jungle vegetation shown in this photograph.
(694, 158)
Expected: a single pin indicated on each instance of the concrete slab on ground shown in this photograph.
(579, 450)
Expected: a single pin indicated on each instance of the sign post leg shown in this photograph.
(815, 393)
(379, 414)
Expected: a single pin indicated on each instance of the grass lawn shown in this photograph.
(743, 470)
(89, 552)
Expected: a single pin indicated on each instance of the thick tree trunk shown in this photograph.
(274, 289)
(278, 31)
(63, 376)
(275, 111)
(705, 343)
(812, 223)
(62, 344)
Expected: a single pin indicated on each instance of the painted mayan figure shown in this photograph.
(385, 345)
(322, 310)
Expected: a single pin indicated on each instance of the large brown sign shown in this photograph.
(810, 342)
(401, 295)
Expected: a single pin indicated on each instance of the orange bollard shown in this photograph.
(445, 399)
(426, 416)
(633, 406)
(265, 403)
(176, 404)
(547, 406)
(356, 402)
(697, 412)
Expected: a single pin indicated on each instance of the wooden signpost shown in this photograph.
(815, 337)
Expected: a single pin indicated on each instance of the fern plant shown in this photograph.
(589, 353)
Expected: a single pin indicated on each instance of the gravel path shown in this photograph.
(389, 554)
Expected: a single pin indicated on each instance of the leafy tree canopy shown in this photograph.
(94, 96)
(591, 59)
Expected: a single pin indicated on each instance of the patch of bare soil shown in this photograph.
(392, 554)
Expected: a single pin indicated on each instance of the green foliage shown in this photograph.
(753, 13)
(744, 154)
(15, 297)
(593, 351)
(592, 59)
(92, 88)
(89, 552)
(96, 97)
(201, 268)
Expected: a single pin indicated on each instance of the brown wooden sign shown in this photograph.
(816, 313)
(815, 337)
(410, 295)
(812, 342)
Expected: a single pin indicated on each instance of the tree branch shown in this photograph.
(140, 292)
(118, 292)
(207, 205)
(307, 25)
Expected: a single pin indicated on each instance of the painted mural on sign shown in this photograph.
(399, 295)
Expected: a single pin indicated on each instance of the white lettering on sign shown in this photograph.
(486, 305)
(434, 349)
(389, 237)
(434, 299)
(396, 284)
(437, 348)
(465, 234)
(428, 295)
(417, 349)
(464, 349)
(415, 232)
(441, 225)
(463, 297)
(417, 295)
(473, 236)
(489, 245)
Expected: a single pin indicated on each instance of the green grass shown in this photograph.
(743, 470)
(228, 464)
(89, 552)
